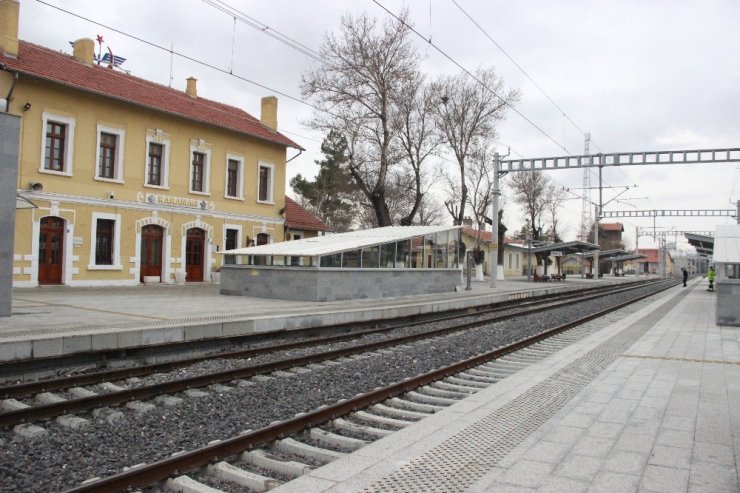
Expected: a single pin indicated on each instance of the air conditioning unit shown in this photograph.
(36, 186)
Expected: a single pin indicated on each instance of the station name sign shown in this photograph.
(156, 199)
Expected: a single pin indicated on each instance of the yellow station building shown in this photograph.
(134, 181)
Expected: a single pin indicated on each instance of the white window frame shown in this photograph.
(238, 229)
(68, 143)
(166, 145)
(118, 165)
(270, 183)
(206, 170)
(240, 178)
(116, 241)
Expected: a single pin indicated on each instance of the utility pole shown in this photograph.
(494, 218)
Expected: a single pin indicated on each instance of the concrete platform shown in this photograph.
(55, 321)
(649, 403)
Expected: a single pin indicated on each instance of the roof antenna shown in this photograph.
(172, 48)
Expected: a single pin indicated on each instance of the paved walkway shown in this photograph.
(650, 403)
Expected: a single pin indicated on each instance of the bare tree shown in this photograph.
(366, 75)
(418, 141)
(530, 192)
(554, 198)
(467, 115)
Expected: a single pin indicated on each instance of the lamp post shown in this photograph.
(470, 266)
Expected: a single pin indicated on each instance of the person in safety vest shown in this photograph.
(710, 278)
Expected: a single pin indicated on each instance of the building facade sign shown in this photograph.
(156, 199)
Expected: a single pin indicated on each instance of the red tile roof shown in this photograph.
(43, 63)
(611, 227)
(296, 217)
(650, 253)
(485, 236)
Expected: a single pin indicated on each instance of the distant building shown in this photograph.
(134, 181)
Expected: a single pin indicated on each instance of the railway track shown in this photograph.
(64, 398)
(133, 362)
(258, 460)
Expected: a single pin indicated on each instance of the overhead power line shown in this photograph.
(184, 56)
(521, 69)
(471, 75)
(264, 29)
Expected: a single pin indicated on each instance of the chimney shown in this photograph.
(191, 89)
(83, 50)
(268, 115)
(9, 27)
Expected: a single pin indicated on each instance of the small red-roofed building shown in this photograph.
(133, 181)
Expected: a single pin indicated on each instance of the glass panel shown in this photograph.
(387, 255)
(331, 260)
(351, 259)
(370, 257)
(403, 254)
(417, 252)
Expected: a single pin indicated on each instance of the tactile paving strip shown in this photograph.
(457, 463)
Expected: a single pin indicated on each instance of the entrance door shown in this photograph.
(51, 250)
(195, 255)
(151, 251)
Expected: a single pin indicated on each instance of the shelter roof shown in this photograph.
(567, 248)
(340, 242)
(297, 217)
(703, 244)
(727, 244)
(43, 63)
(607, 254)
(624, 258)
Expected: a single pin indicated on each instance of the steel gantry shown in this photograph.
(672, 212)
(693, 156)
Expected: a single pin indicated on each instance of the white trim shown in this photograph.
(238, 228)
(68, 143)
(147, 207)
(116, 218)
(240, 178)
(158, 137)
(118, 160)
(204, 148)
(270, 183)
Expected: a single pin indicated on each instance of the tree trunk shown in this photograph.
(478, 272)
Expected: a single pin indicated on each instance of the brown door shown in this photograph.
(195, 255)
(51, 250)
(151, 251)
(262, 239)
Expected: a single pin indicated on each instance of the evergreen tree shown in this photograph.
(329, 195)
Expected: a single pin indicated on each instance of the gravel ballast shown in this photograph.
(64, 458)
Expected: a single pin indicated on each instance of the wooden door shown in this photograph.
(152, 238)
(51, 250)
(195, 255)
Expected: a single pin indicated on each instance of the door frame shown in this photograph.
(162, 277)
(204, 255)
(64, 246)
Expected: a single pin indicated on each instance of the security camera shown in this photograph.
(111, 195)
(36, 186)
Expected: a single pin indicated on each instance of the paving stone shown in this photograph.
(665, 479)
(605, 430)
(676, 457)
(625, 462)
(714, 452)
(528, 473)
(611, 482)
(718, 477)
(579, 467)
(676, 438)
(593, 446)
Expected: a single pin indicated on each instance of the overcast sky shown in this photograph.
(639, 75)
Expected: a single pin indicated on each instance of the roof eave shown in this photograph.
(33, 75)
